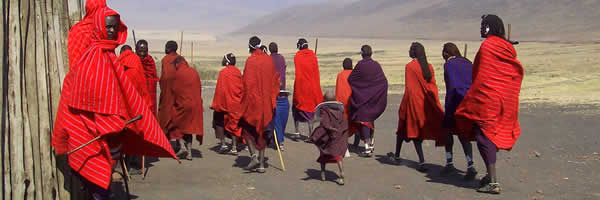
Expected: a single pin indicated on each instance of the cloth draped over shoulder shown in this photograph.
(420, 113)
(187, 107)
(331, 136)
(492, 103)
(151, 81)
(343, 91)
(135, 71)
(228, 96)
(167, 98)
(261, 88)
(307, 86)
(96, 99)
(369, 91)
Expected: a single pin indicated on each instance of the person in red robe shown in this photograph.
(307, 86)
(420, 113)
(261, 88)
(226, 104)
(186, 117)
(343, 92)
(97, 99)
(141, 49)
(167, 76)
(489, 112)
(135, 72)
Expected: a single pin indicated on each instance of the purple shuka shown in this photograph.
(369, 91)
(280, 66)
(457, 76)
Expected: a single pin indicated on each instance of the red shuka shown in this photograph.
(167, 99)
(261, 88)
(493, 100)
(96, 100)
(187, 110)
(134, 70)
(82, 34)
(420, 113)
(228, 96)
(307, 86)
(151, 81)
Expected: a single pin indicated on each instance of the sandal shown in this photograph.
(490, 188)
(340, 179)
(233, 152)
(422, 168)
(323, 176)
(392, 158)
(261, 170)
(253, 162)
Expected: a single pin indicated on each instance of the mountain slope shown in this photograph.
(540, 20)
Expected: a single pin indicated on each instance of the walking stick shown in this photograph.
(98, 137)
(279, 151)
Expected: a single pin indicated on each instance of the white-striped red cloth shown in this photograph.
(493, 100)
(97, 98)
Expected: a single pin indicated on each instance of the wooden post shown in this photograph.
(192, 64)
(181, 44)
(509, 30)
(134, 40)
(465, 54)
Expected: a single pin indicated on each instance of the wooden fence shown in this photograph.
(34, 63)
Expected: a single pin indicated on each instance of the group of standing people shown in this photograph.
(102, 92)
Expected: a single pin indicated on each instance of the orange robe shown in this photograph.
(420, 113)
(343, 91)
(228, 96)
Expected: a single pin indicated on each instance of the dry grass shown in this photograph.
(555, 72)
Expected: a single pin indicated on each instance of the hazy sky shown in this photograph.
(211, 16)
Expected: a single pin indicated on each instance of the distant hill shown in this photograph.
(532, 20)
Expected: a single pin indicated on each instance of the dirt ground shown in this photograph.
(555, 158)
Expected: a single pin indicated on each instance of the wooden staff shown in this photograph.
(192, 53)
(98, 137)
(134, 40)
(509, 30)
(279, 151)
(465, 54)
(316, 45)
(181, 43)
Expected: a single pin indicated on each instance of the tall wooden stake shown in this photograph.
(192, 54)
(134, 40)
(465, 54)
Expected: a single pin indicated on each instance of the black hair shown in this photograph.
(254, 43)
(302, 44)
(140, 42)
(417, 51)
(347, 64)
(273, 47)
(171, 46)
(366, 51)
(125, 48)
(495, 25)
(229, 59)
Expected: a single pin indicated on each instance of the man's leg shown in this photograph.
(323, 171)
(449, 155)
(468, 149)
(253, 156)
(220, 134)
(340, 180)
(261, 165)
(488, 150)
(188, 138)
(365, 132)
(419, 148)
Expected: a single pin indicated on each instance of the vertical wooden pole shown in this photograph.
(4, 51)
(15, 125)
(192, 64)
(181, 44)
(465, 54)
